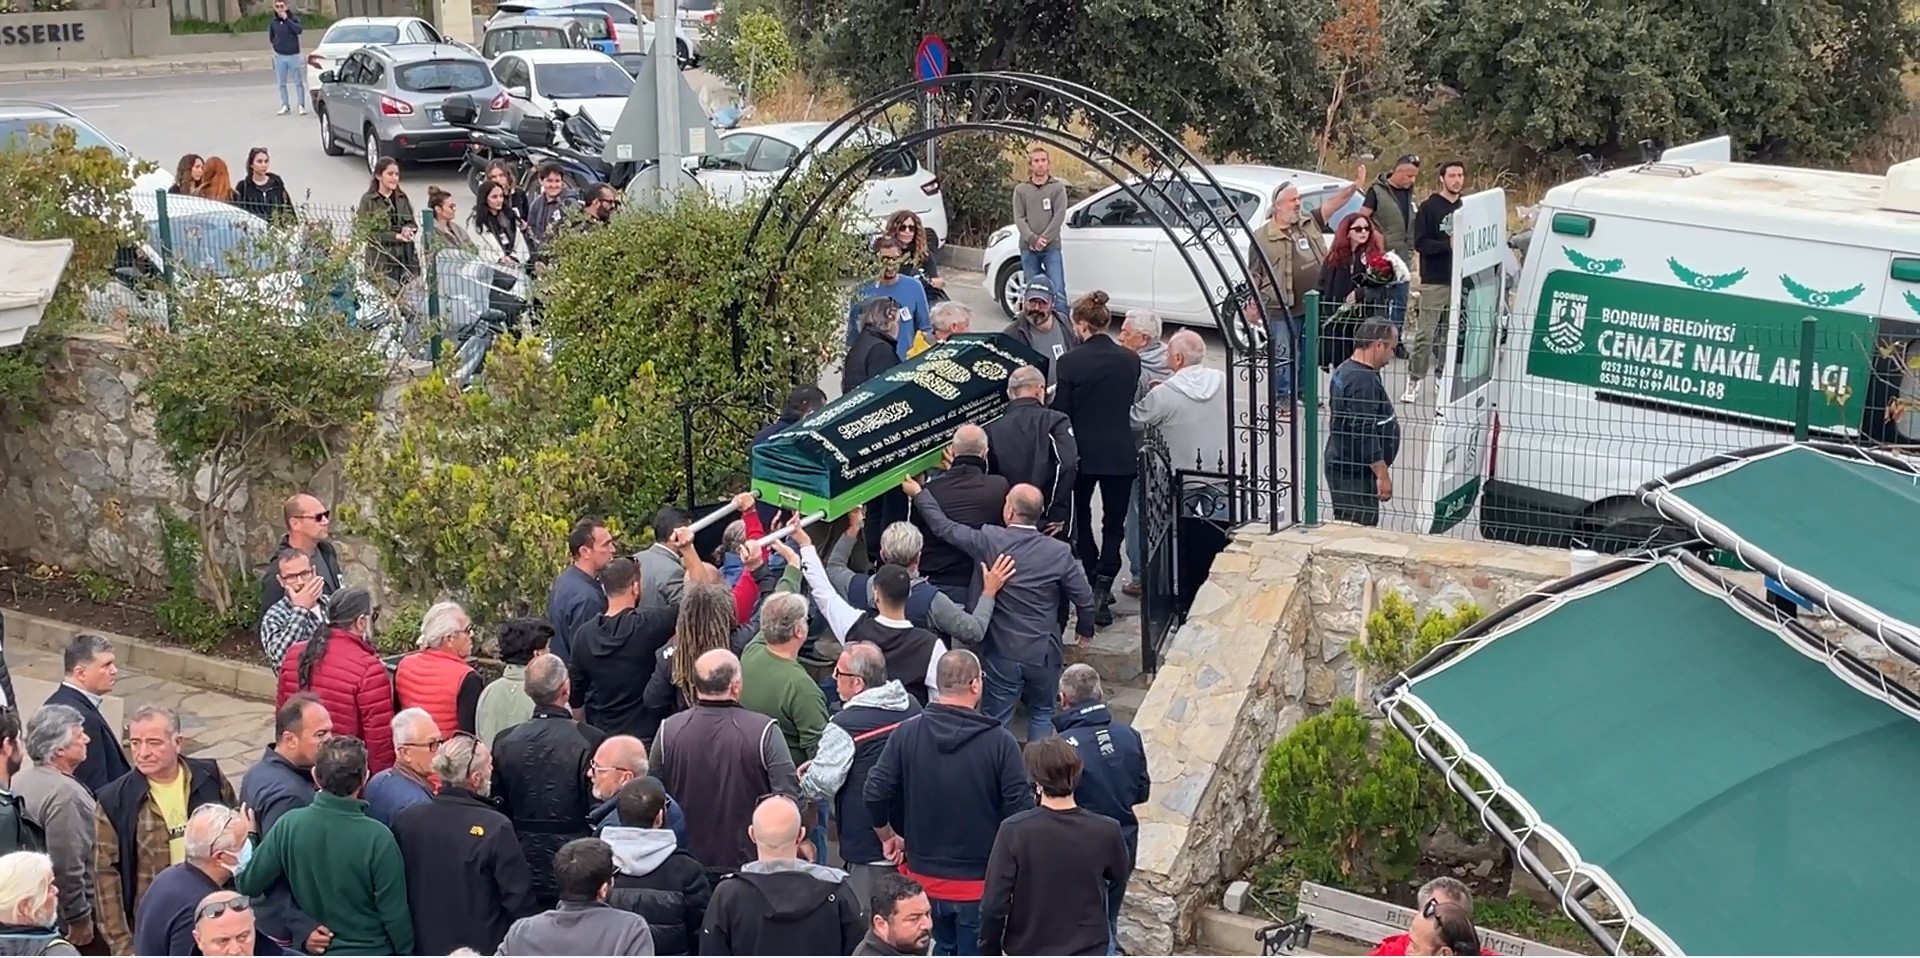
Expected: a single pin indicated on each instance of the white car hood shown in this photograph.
(153, 181)
(605, 110)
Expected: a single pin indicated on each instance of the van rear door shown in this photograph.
(1456, 453)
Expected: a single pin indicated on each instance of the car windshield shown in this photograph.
(362, 33)
(631, 62)
(17, 131)
(534, 38)
(220, 244)
(443, 76)
(582, 81)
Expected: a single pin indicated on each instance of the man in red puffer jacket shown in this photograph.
(341, 666)
(1447, 890)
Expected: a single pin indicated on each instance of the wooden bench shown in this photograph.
(1332, 911)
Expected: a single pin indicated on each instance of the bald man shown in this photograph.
(1022, 655)
(309, 531)
(969, 495)
(718, 760)
(779, 903)
(221, 929)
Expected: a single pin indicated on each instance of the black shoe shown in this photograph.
(1103, 602)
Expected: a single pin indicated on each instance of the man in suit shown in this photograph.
(969, 496)
(1035, 445)
(90, 674)
(1022, 652)
(1096, 386)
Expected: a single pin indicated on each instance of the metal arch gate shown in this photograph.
(1256, 481)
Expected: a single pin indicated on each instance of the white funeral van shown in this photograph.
(1659, 320)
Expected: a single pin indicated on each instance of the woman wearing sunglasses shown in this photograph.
(1357, 283)
(920, 250)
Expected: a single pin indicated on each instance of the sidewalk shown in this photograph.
(146, 67)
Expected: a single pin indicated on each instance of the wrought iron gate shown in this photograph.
(1157, 496)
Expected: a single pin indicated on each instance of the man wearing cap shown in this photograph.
(1043, 327)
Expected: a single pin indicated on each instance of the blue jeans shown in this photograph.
(290, 66)
(1035, 262)
(1004, 681)
(1396, 310)
(818, 833)
(956, 927)
(1284, 365)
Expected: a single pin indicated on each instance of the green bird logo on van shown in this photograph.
(1821, 297)
(1598, 267)
(1706, 281)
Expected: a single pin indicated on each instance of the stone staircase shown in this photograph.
(1115, 654)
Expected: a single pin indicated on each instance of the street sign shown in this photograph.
(636, 136)
(930, 61)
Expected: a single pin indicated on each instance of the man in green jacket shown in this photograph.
(775, 684)
(343, 867)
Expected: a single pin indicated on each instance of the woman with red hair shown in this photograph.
(1356, 283)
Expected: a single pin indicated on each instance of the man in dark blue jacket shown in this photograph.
(1363, 437)
(1114, 777)
(945, 781)
(87, 662)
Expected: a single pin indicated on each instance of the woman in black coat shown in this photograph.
(876, 349)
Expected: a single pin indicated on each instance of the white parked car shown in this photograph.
(1111, 243)
(20, 118)
(748, 161)
(577, 81)
(632, 30)
(351, 33)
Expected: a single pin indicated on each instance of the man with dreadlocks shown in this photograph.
(340, 666)
(706, 623)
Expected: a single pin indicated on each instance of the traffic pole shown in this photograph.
(666, 79)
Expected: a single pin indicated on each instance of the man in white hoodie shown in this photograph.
(1189, 409)
(851, 744)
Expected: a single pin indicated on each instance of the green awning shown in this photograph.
(1733, 787)
(1834, 524)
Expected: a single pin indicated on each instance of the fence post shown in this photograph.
(165, 229)
(437, 343)
(1803, 402)
(1307, 374)
(686, 450)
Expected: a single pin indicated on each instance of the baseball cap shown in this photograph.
(1039, 288)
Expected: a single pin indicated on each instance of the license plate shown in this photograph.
(436, 115)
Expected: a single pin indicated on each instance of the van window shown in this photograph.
(1893, 394)
(1478, 339)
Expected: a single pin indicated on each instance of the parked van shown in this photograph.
(1659, 321)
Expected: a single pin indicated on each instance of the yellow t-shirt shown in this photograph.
(172, 799)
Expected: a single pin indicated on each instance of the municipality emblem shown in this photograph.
(1567, 324)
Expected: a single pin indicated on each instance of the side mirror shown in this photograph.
(1078, 219)
(517, 92)
(329, 76)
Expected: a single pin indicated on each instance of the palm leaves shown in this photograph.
(1705, 281)
(1821, 297)
(1598, 267)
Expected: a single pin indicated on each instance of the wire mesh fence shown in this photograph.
(1539, 427)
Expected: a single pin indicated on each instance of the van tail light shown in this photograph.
(709, 17)
(612, 34)
(392, 107)
(499, 101)
(314, 61)
(1493, 446)
(931, 187)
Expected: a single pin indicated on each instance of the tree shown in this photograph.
(53, 188)
(1789, 80)
(750, 47)
(664, 298)
(257, 365)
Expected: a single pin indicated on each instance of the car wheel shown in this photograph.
(373, 151)
(681, 55)
(1011, 281)
(328, 144)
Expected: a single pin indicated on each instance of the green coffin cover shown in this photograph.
(890, 427)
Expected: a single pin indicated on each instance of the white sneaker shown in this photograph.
(301, 109)
(283, 112)
(1412, 394)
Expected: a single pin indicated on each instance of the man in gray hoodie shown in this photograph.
(1189, 409)
(1140, 332)
(656, 879)
(582, 923)
(1039, 211)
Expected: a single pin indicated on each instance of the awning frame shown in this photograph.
(1896, 635)
(1443, 749)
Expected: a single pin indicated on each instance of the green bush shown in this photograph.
(976, 179)
(52, 188)
(643, 313)
(472, 491)
(1395, 639)
(750, 47)
(239, 390)
(182, 613)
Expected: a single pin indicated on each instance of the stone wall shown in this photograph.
(1264, 646)
(85, 486)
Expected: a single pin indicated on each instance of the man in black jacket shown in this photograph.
(90, 673)
(1033, 444)
(310, 530)
(1114, 764)
(780, 904)
(946, 780)
(1433, 237)
(969, 495)
(614, 654)
(1095, 389)
(655, 879)
(876, 349)
(467, 878)
(540, 773)
(281, 781)
(1363, 436)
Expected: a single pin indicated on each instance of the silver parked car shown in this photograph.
(387, 101)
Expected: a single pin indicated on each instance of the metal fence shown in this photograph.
(425, 292)
(1539, 427)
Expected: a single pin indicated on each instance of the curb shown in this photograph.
(243, 679)
(961, 257)
(43, 72)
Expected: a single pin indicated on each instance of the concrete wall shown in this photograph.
(86, 486)
(1264, 646)
(66, 35)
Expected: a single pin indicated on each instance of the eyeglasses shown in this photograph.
(1361, 229)
(321, 516)
(301, 576)
(595, 768)
(907, 228)
(212, 910)
(890, 260)
(472, 753)
(431, 745)
(844, 675)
